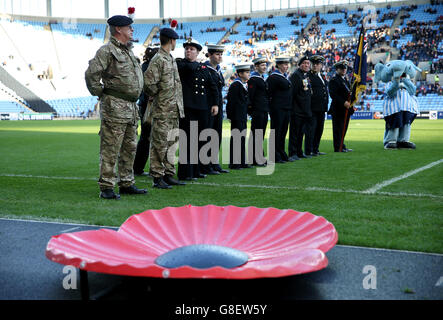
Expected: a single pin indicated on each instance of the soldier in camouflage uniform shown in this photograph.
(162, 82)
(116, 67)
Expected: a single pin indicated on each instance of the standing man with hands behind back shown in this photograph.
(116, 67)
(162, 82)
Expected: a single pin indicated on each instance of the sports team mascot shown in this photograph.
(400, 106)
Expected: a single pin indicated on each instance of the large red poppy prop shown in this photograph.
(202, 242)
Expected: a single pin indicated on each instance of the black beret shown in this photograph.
(120, 21)
(169, 33)
(302, 59)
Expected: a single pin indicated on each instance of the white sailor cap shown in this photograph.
(282, 59)
(215, 48)
(243, 67)
(259, 60)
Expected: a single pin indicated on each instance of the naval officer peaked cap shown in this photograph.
(317, 59)
(341, 64)
(120, 21)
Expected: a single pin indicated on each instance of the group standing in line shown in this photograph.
(180, 98)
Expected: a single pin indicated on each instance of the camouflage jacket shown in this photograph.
(115, 68)
(162, 82)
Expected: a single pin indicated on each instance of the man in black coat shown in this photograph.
(199, 99)
(339, 90)
(301, 116)
(236, 111)
(259, 98)
(215, 55)
(142, 153)
(319, 102)
(280, 105)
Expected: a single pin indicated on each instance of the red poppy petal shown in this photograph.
(277, 242)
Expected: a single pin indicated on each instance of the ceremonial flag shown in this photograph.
(360, 68)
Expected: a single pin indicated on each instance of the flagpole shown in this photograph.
(346, 122)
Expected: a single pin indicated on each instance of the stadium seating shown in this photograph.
(9, 101)
(283, 27)
(63, 49)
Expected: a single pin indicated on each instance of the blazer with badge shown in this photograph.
(339, 89)
(199, 89)
(258, 92)
(320, 95)
(280, 91)
(301, 94)
(238, 101)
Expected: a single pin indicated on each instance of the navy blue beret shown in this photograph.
(169, 33)
(303, 59)
(120, 21)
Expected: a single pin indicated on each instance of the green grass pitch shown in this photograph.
(49, 170)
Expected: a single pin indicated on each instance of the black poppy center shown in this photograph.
(202, 256)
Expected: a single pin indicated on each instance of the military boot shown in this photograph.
(160, 184)
(109, 194)
(132, 190)
(173, 182)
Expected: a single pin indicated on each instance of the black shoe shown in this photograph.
(320, 153)
(173, 182)
(391, 146)
(406, 145)
(303, 156)
(188, 179)
(109, 194)
(246, 166)
(142, 174)
(219, 169)
(261, 164)
(313, 154)
(200, 176)
(348, 150)
(212, 172)
(235, 167)
(132, 190)
(293, 158)
(160, 184)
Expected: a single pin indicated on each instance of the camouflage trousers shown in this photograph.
(118, 144)
(162, 149)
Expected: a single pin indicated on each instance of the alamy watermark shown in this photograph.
(370, 280)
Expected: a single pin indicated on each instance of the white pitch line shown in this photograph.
(48, 221)
(44, 177)
(386, 183)
(248, 186)
(401, 194)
